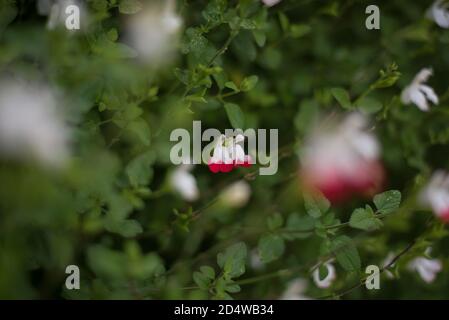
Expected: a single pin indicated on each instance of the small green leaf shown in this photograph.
(142, 130)
(235, 115)
(275, 221)
(209, 272)
(388, 201)
(201, 280)
(249, 83)
(346, 253)
(299, 227)
(231, 85)
(271, 247)
(316, 205)
(233, 288)
(130, 6)
(342, 96)
(364, 219)
(299, 30)
(232, 261)
(368, 105)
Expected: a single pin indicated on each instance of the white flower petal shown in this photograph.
(184, 183)
(327, 281)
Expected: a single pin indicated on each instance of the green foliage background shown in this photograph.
(112, 212)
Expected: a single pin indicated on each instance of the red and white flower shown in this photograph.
(343, 160)
(436, 195)
(228, 154)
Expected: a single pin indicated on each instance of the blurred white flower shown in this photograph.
(427, 268)
(236, 195)
(255, 261)
(59, 12)
(330, 277)
(436, 195)
(419, 93)
(30, 124)
(386, 263)
(154, 32)
(183, 182)
(295, 290)
(342, 160)
(439, 12)
(270, 3)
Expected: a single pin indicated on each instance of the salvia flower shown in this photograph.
(426, 268)
(418, 93)
(326, 282)
(436, 195)
(228, 154)
(30, 125)
(154, 32)
(183, 182)
(439, 12)
(342, 160)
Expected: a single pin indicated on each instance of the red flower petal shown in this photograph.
(214, 167)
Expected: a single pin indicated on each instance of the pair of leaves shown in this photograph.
(365, 218)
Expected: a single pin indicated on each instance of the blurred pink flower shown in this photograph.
(343, 160)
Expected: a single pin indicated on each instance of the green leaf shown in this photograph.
(283, 20)
(130, 6)
(233, 288)
(271, 247)
(342, 96)
(127, 228)
(235, 115)
(249, 83)
(231, 85)
(299, 30)
(299, 227)
(201, 280)
(323, 271)
(368, 105)
(209, 272)
(346, 253)
(388, 201)
(316, 205)
(142, 130)
(365, 219)
(233, 260)
(139, 170)
(275, 221)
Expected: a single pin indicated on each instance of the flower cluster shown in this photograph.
(229, 154)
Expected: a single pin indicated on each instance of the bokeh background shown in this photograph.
(103, 197)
